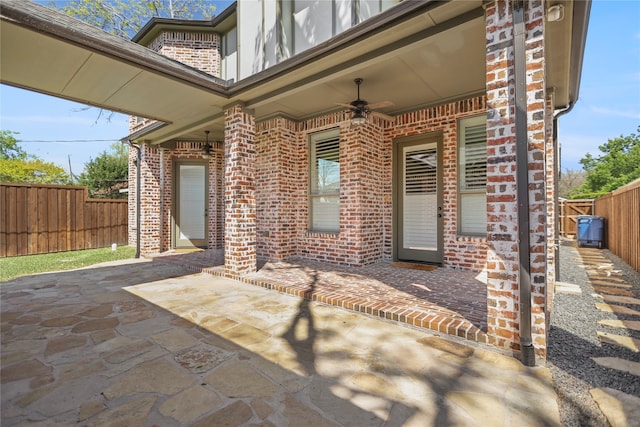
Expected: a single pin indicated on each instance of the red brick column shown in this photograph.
(361, 196)
(239, 192)
(502, 204)
(150, 194)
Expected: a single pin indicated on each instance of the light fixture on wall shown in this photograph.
(207, 147)
(555, 13)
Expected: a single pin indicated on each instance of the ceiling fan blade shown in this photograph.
(383, 116)
(380, 105)
(351, 107)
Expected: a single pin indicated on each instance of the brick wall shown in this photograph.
(193, 150)
(198, 50)
(282, 188)
(366, 210)
(502, 203)
(462, 252)
(157, 186)
(361, 236)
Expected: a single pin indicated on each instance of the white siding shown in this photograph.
(270, 33)
(229, 66)
(250, 42)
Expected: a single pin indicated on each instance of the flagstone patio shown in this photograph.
(144, 342)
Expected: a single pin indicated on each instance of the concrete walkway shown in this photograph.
(148, 343)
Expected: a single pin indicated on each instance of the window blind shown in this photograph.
(472, 177)
(325, 182)
(474, 158)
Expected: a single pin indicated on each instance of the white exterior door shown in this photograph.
(419, 201)
(190, 205)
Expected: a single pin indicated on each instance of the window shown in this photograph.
(324, 194)
(472, 176)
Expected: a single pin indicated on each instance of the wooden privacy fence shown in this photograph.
(569, 210)
(621, 211)
(38, 219)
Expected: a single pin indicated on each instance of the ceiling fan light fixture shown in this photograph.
(358, 118)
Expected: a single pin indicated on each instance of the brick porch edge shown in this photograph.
(439, 322)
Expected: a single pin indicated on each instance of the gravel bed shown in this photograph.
(573, 342)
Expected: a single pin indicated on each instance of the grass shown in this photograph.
(13, 267)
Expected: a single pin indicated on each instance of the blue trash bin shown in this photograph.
(590, 231)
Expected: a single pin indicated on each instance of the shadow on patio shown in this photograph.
(444, 300)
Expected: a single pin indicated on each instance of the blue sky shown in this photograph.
(609, 103)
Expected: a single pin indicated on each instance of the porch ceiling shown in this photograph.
(416, 54)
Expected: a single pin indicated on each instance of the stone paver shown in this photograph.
(619, 309)
(150, 343)
(621, 409)
(620, 364)
(620, 340)
(624, 324)
(568, 288)
(611, 286)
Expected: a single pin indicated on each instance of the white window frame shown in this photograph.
(472, 180)
(324, 198)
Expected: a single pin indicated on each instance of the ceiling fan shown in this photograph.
(362, 109)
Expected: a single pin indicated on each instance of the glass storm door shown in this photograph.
(191, 208)
(419, 210)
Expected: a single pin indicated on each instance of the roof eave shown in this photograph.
(34, 17)
(218, 24)
(582, 11)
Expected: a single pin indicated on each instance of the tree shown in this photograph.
(9, 148)
(619, 165)
(125, 17)
(570, 182)
(16, 165)
(105, 175)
